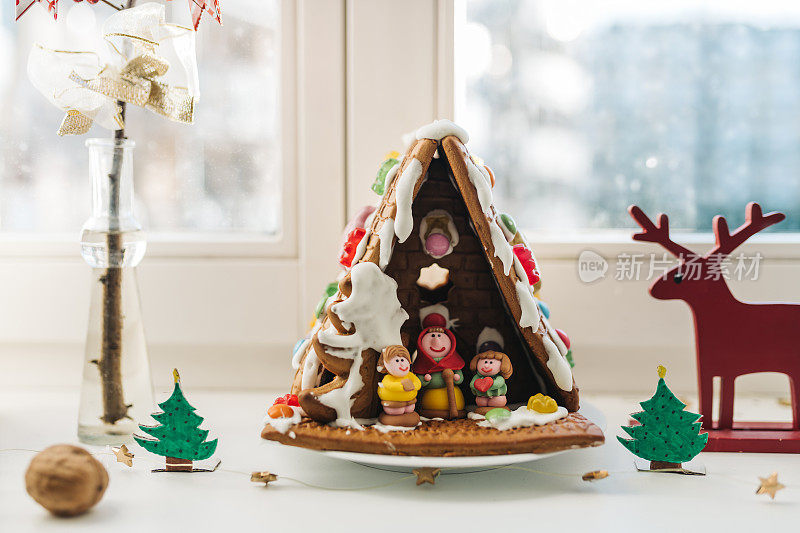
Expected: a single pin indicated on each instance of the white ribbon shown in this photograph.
(76, 81)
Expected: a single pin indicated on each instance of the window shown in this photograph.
(583, 108)
(225, 178)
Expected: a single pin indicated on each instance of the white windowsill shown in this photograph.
(159, 245)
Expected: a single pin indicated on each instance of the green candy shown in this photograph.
(498, 414)
(379, 186)
(330, 290)
(569, 359)
(508, 222)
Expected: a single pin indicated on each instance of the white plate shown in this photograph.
(404, 463)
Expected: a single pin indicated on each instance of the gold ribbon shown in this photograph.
(136, 84)
(90, 89)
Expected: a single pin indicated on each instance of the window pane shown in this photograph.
(582, 108)
(221, 174)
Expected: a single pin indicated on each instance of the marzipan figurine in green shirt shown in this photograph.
(489, 383)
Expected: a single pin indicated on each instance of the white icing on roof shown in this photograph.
(482, 185)
(530, 311)
(403, 197)
(502, 250)
(386, 235)
(557, 365)
(439, 129)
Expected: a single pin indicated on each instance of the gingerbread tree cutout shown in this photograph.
(178, 436)
(668, 435)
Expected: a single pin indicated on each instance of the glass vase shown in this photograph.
(117, 389)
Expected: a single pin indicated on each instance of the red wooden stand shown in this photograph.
(754, 437)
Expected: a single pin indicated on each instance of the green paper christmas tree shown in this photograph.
(668, 435)
(177, 437)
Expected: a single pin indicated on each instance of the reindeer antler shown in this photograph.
(658, 234)
(754, 222)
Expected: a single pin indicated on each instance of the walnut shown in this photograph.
(66, 480)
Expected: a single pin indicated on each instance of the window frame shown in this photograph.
(274, 280)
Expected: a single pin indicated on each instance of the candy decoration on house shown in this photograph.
(491, 368)
(348, 252)
(667, 435)
(66, 480)
(388, 169)
(733, 338)
(528, 263)
(438, 233)
(178, 436)
(437, 188)
(398, 388)
(439, 366)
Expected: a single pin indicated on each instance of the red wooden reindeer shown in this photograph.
(733, 338)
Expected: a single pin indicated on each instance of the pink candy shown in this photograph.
(437, 244)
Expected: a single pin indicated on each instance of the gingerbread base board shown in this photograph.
(439, 438)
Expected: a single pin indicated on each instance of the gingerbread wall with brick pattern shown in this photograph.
(474, 298)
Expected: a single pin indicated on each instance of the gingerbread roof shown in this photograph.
(391, 223)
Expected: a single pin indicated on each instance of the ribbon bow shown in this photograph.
(89, 90)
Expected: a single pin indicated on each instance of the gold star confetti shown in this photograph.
(123, 455)
(263, 477)
(426, 475)
(595, 475)
(769, 485)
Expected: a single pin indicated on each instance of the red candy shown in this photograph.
(564, 337)
(350, 246)
(287, 399)
(528, 263)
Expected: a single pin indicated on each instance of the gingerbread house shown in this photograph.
(435, 246)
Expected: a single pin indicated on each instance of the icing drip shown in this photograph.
(298, 355)
(439, 129)
(341, 399)
(383, 428)
(482, 185)
(310, 371)
(501, 248)
(390, 177)
(375, 312)
(404, 193)
(524, 417)
(530, 311)
(283, 424)
(557, 365)
(386, 234)
(562, 348)
(518, 269)
(362, 247)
